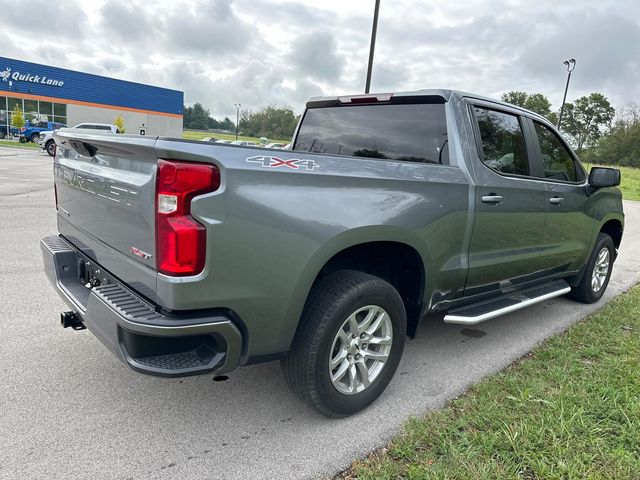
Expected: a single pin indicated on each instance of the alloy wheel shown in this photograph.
(360, 349)
(600, 269)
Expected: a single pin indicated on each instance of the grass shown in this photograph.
(570, 409)
(630, 181)
(10, 143)
(199, 135)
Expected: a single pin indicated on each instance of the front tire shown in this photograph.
(349, 344)
(597, 273)
(34, 138)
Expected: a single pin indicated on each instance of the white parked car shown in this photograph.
(47, 143)
(244, 143)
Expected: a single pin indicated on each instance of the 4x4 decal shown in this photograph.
(275, 162)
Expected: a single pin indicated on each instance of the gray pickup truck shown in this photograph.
(186, 257)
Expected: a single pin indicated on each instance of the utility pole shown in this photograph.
(372, 47)
(237, 117)
(570, 64)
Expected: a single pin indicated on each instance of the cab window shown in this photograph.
(408, 132)
(557, 162)
(503, 146)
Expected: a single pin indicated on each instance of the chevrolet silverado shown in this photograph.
(186, 257)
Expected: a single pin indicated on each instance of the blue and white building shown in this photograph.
(73, 97)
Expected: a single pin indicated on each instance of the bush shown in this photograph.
(17, 119)
(119, 122)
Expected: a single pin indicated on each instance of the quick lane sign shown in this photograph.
(8, 76)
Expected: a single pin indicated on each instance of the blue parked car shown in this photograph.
(31, 133)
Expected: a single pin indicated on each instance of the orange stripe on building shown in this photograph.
(27, 96)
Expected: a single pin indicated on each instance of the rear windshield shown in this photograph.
(409, 132)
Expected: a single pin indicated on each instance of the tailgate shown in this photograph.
(106, 203)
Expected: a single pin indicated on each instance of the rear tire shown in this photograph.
(2, 134)
(597, 272)
(50, 147)
(349, 343)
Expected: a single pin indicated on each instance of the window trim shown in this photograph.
(525, 134)
(538, 158)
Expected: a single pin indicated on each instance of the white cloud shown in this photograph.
(262, 52)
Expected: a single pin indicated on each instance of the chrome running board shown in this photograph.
(511, 302)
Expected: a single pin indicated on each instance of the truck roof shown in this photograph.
(446, 94)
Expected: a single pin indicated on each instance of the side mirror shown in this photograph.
(601, 177)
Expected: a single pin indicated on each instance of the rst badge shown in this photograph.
(275, 162)
(140, 253)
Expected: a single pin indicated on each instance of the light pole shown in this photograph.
(570, 64)
(237, 117)
(372, 47)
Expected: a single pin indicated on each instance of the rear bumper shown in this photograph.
(147, 340)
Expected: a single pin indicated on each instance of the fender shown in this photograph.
(340, 242)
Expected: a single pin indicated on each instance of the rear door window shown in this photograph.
(503, 145)
(406, 132)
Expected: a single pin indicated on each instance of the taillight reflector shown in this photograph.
(180, 239)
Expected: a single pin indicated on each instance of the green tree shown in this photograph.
(213, 123)
(119, 122)
(515, 97)
(621, 144)
(199, 117)
(196, 117)
(536, 102)
(271, 122)
(186, 117)
(245, 123)
(17, 118)
(227, 124)
(586, 119)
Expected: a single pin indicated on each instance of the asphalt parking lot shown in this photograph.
(70, 409)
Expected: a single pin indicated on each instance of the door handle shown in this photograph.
(556, 200)
(492, 198)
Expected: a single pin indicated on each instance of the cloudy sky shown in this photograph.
(262, 52)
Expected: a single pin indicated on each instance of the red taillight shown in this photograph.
(180, 239)
(23, 129)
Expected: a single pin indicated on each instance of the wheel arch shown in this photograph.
(614, 228)
(400, 253)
